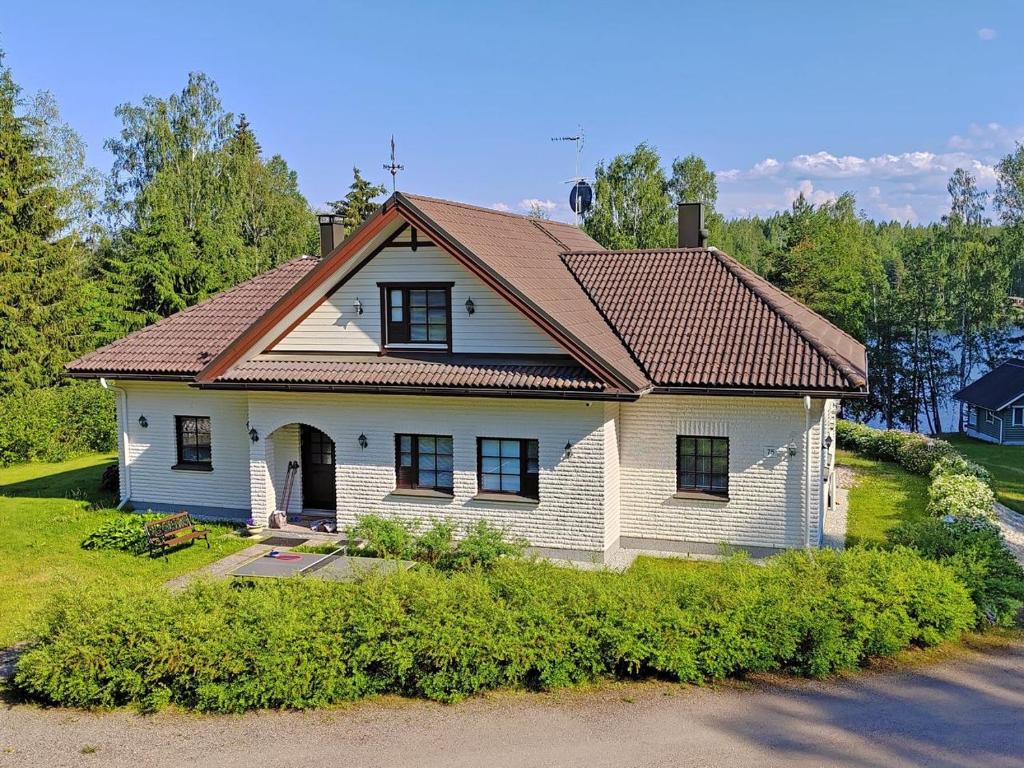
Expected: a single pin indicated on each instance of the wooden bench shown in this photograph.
(173, 531)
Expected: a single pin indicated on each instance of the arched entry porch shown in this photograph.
(302, 473)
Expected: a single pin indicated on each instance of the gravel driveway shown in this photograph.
(964, 712)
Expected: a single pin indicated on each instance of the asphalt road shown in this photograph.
(964, 712)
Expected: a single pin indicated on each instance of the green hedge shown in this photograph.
(55, 424)
(961, 500)
(304, 643)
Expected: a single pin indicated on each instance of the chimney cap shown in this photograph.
(328, 218)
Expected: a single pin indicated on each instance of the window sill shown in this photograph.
(505, 498)
(423, 493)
(433, 346)
(194, 467)
(701, 496)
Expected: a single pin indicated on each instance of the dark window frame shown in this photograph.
(397, 334)
(409, 477)
(687, 480)
(181, 435)
(529, 481)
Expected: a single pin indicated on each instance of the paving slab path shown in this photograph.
(964, 712)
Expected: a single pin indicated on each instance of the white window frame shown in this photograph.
(972, 416)
(990, 417)
(1017, 416)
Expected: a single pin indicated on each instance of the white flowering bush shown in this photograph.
(960, 496)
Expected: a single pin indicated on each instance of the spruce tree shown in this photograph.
(358, 203)
(41, 297)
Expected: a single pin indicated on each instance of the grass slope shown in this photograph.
(45, 512)
(1005, 462)
(883, 496)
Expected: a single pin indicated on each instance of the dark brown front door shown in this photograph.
(317, 470)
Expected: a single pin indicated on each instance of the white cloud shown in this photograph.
(989, 137)
(986, 33)
(529, 203)
(501, 207)
(806, 188)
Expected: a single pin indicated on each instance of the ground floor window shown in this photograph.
(1018, 416)
(193, 438)
(702, 464)
(508, 466)
(424, 461)
(972, 416)
(989, 418)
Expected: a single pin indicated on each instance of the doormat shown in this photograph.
(283, 541)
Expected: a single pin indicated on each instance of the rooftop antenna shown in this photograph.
(393, 167)
(581, 196)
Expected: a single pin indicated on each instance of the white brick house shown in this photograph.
(446, 361)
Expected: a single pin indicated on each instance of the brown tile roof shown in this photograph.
(686, 318)
(525, 253)
(185, 342)
(697, 318)
(372, 373)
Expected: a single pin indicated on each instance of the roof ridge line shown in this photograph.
(544, 229)
(741, 273)
(576, 279)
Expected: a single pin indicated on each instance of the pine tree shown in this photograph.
(358, 203)
(41, 297)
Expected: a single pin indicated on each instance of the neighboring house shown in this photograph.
(995, 404)
(448, 361)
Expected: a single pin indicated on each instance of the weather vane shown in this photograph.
(393, 167)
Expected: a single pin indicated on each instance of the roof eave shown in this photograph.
(761, 391)
(502, 392)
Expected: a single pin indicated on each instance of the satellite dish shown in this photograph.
(581, 197)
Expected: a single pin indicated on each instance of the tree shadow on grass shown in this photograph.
(82, 484)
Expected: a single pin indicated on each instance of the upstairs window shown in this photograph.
(424, 461)
(508, 466)
(193, 437)
(417, 315)
(702, 464)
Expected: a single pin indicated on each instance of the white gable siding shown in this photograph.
(152, 450)
(495, 327)
(766, 494)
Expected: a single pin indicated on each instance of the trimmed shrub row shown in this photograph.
(305, 643)
(963, 536)
(55, 424)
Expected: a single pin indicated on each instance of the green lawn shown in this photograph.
(45, 512)
(1005, 462)
(882, 496)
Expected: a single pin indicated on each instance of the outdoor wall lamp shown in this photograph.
(567, 453)
(142, 421)
(357, 305)
(470, 306)
(363, 442)
(253, 434)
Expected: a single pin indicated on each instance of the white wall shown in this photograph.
(152, 451)
(571, 511)
(495, 326)
(766, 495)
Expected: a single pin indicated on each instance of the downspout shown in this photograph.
(807, 472)
(122, 426)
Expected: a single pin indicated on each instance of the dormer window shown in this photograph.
(417, 316)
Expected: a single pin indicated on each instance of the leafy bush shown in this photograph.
(124, 532)
(957, 464)
(376, 536)
(960, 496)
(914, 452)
(973, 548)
(55, 424)
(305, 643)
(481, 546)
(325, 548)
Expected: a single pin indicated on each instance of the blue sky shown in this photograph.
(883, 99)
